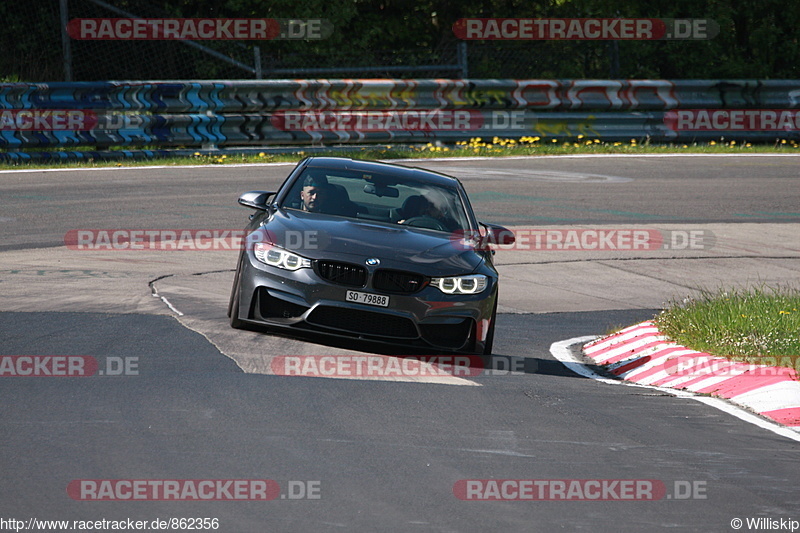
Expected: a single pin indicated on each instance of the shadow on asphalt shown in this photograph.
(497, 364)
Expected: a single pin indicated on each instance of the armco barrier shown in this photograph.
(212, 114)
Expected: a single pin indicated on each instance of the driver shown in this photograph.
(314, 193)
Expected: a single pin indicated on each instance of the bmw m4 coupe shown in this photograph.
(369, 250)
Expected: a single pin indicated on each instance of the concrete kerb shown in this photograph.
(641, 354)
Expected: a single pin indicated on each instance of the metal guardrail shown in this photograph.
(217, 114)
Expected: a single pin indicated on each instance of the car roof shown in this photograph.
(360, 165)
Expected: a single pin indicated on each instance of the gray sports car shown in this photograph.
(369, 250)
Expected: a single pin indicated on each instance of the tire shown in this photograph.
(489, 343)
(233, 305)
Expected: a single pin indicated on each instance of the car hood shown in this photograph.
(330, 237)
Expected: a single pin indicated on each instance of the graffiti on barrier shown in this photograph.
(264, 112)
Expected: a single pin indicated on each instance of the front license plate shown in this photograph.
(367, 298)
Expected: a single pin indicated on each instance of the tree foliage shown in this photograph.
(757, 39)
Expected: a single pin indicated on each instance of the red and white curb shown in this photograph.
(642, 355)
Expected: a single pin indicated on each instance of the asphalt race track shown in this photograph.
(179, 395)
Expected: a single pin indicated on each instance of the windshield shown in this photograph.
(380, 198)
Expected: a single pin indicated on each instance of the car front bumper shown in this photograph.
(303, 300)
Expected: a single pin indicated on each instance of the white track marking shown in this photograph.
(584, 156)
(416, 160)
(147, 167)
(155, 294)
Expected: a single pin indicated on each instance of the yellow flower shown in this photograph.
(261, 154)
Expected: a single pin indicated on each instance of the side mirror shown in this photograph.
(256, 199)
(499, 235)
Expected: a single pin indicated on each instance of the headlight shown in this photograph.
(277, 257)
(472, 284)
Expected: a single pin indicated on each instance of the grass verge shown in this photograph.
(758, 325)
(496, 147)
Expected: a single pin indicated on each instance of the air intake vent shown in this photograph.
(363, 322)
(397, 281)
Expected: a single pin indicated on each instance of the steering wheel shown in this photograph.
(425, 221)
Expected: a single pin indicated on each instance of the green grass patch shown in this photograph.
(756, 325)
(496, 147)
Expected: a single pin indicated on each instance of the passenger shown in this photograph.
(418, 206)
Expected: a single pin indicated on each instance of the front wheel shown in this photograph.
(233, 305)
(488, 344)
